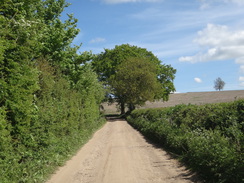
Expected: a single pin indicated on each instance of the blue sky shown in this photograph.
(202, 39)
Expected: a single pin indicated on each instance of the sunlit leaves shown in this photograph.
(49, 103)
(136, 81)
(120, 68)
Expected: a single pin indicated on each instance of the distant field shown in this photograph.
(188, 98)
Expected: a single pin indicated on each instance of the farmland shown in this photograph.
(188, 98)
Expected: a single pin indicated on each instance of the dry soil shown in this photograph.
(117, 153)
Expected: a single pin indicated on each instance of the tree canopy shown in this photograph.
(134, 75)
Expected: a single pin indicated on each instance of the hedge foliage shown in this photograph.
(49, 95)
(208, 138)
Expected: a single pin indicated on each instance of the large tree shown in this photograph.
(134, 75)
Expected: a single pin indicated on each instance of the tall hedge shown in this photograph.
(49, 102)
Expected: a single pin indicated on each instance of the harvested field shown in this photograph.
(188, 98)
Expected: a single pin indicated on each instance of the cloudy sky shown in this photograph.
(202, 39)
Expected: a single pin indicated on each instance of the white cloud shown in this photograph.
(204, 4)
(98, 40)
(241, 78)
(220, 43)
(219, 35)
(198, 80)
(239, 2)
(182, 25)
(242, 68)
(130, 1)
(240, 60)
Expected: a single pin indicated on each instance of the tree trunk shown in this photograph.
(122, 108)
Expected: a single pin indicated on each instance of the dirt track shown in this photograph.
(119, 154)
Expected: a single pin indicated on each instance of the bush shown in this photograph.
(49, 97)
(62, 118)
(208, 138)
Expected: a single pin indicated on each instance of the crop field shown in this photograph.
(187, 98)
